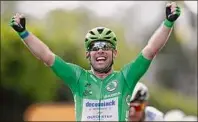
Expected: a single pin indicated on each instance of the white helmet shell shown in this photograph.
(140, 92)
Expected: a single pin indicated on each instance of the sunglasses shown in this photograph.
(139, 107)
(100, 45)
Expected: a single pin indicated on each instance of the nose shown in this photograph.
(100, 51)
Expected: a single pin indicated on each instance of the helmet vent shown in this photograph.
(100, 30)
(114, 39)
(107, 37)
(92, 32)
(140, 96)
(108, 32)
(86, 40)
(93, 37)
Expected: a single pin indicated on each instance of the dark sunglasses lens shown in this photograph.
(100, 45)
(95, 48)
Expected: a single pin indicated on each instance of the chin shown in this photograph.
(101, 67)
(134, 119)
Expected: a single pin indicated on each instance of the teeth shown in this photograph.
(100, 58)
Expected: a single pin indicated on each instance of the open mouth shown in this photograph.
(101, 59)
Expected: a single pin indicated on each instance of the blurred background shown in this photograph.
(31, 91)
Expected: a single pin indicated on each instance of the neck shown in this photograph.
(101, 75)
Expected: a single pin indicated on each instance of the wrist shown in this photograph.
(168, 23)
(23, 34)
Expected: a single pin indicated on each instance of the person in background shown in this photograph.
(139, 109)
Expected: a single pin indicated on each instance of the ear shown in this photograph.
(87, 54)
(115, 53)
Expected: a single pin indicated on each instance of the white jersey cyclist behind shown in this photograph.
(139, 109)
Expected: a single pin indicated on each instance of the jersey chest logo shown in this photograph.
(111, 86)
(87, 90)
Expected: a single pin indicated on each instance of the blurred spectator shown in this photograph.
(174, 115)
(139, 109)
(189, 118)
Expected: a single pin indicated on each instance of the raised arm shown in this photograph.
(35, 45)
(138, 67)
(68, 72)
(160, 37)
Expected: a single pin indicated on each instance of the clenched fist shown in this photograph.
(172, 11)
(17, 22)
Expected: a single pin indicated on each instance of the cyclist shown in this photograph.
(100, 94)
(139, 109)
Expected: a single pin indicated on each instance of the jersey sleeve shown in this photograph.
(68, 72)
(135, 70)
(153, 114)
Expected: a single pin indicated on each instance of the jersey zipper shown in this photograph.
(100, 98)
(101, 93)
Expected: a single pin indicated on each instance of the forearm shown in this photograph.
(159, 38)
(157, 41)
(39, 49)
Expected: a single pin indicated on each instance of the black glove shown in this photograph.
(172, 16)
(18, 27)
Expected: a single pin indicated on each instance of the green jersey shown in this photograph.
(101, 99)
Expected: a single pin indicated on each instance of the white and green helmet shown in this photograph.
(140, 93)
(98, 34)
